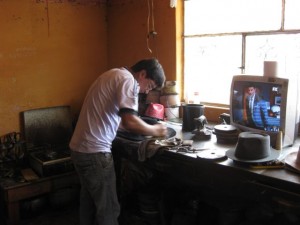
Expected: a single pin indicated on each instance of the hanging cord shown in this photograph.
(151, 33)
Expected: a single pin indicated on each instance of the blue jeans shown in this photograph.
(98, 195)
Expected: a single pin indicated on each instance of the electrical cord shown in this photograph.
(151, 33)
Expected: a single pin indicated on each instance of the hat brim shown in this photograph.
(273, 155)
(290, 160)
(137, 137)
(149, 120)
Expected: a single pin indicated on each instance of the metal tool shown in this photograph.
(201, 132)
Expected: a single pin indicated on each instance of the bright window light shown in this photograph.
(222, 16)
(223, 38)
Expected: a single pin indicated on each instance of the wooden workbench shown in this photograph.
(225, 177)
(12, 192)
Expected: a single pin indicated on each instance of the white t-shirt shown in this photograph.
(99, 118)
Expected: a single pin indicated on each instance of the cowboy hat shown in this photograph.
(253, 147)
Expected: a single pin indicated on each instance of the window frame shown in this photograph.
(213, 110)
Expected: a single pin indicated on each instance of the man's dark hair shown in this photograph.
(251, 85)
(153, 69)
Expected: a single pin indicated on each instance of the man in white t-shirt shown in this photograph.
(112, 99)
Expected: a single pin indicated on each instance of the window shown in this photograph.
(223, 38)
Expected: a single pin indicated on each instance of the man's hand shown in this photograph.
(134, 124)
(160, 130)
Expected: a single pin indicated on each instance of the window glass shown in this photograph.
(292, 15)
(210, 63)
(215, 51)
(220, 16)
(283, 48)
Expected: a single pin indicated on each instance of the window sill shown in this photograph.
(212, 113)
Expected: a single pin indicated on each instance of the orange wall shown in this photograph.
(49, 55)
(128, 29)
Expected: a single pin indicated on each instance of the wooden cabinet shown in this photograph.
(12, 194)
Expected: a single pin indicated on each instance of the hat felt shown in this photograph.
(155, 110)
(253, 147)
(293, 159)
(138, 137)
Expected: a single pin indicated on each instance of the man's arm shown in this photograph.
(135, 124)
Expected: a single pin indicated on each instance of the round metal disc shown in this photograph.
(212, 154)
(223, 128)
